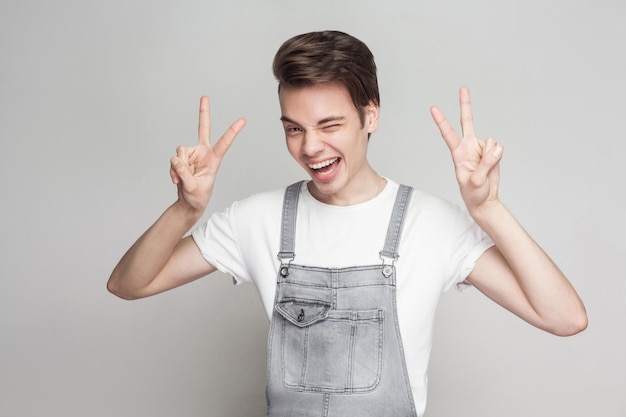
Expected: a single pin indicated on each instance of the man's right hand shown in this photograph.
(194, 170)
(160, 260)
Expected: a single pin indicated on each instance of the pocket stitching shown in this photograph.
(345, 387)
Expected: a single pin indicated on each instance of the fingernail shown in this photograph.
(497, 151)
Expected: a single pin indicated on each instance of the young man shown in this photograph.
(349, 265)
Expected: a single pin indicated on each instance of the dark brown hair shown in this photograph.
(329, 56)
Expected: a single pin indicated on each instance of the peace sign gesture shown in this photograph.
(476, 162)
(194, 170)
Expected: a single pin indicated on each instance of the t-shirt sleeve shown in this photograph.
(467, 243)
(217, 241)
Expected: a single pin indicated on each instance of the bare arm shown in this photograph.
(516, 273)
(161, 259)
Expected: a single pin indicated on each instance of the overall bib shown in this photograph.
(334, 347)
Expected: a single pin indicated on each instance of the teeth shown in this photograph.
(323, 164)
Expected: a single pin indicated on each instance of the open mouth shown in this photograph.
(325, 167)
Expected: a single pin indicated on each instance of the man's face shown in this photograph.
(325, 136)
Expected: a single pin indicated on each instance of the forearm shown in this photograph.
(147, 257)
(546, 289)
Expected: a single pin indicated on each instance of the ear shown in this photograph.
(372, 112)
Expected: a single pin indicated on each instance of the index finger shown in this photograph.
(223, 144)
(204, 122)
(467, 120)
(445, 128)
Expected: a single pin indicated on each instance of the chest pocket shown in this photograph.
(327, 350)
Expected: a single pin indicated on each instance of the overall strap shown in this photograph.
(390, 250)
(288, 227)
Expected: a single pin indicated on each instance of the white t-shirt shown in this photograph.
(438, 248)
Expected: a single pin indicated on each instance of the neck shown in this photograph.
(357, 192)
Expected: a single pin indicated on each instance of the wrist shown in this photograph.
(487, 212)
(186, 212)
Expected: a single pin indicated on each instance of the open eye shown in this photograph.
(293, 130)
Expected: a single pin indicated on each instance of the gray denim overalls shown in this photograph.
(334, 347)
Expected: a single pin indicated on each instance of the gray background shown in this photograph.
(96, 95)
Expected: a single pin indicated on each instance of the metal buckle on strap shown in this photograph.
(388, 263)
(284, 267)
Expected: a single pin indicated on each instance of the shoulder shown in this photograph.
(258, 204)
(426, 204)
(244, 222)
(435, 219)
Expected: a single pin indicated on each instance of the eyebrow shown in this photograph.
(319, 123)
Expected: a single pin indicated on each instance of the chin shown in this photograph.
(325, 188)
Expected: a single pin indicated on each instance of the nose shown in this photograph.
(312, 143)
